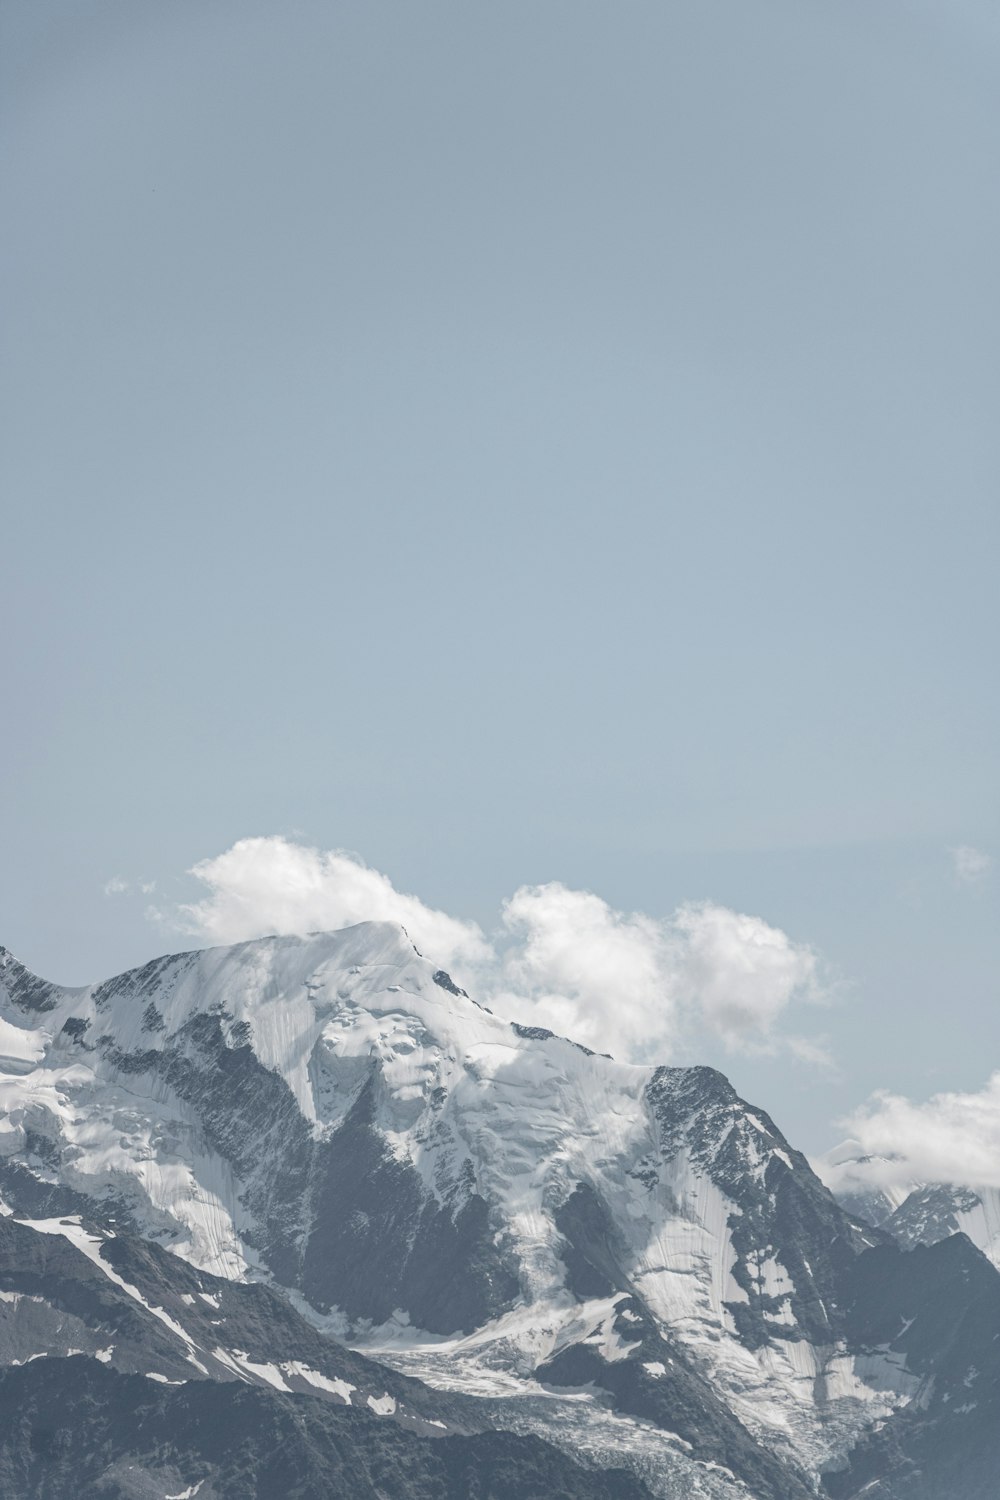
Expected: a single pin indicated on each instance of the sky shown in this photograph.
(537, 461)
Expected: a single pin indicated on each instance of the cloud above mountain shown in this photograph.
(951, 1137)
(646, 982)
(638, 986)
(272, 885)
(601, 976)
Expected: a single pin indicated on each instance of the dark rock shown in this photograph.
(70, 1429)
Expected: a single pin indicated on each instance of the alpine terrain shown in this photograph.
(301, 1218)
(919, 1213)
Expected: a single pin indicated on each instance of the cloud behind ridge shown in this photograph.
(950, 1138)
(640, 987)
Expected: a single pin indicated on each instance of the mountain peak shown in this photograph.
(333, 1113)
(25, 989)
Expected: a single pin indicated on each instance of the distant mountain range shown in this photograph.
(918, 1213)
(301, 1218)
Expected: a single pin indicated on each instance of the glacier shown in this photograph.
(478, 1203)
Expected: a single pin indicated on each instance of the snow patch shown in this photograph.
(383, 1406)
(21, 1048)
(336, 1387)
(89, 1244)
(251, 1369)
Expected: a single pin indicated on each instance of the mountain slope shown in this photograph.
(938, 1309)
(916, 1213)
(71, 1429)
(66, 1290)
(935, 1212)
(481, 1204)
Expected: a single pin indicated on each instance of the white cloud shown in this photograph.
(740, 972)
(270, 885)
(637, 985)
(949, 1138)
(601, 976)
(814, 1050)
(623, 982)
(970, 865)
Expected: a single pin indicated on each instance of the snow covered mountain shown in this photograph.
(863, 1184)
(916, 1213)
(934, 1212)
(146, 1377)
(630, 1262)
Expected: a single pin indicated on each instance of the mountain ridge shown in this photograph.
(481, 1204)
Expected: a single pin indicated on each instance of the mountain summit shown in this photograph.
(479, 1203)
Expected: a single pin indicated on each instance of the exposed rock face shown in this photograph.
(913, 1213)
(657, 1381)
(379, 1241)
(72, 1429)
(135, 1308)
(933, 1213)
(793, 1247)
(935, 1309)
(483, 1205)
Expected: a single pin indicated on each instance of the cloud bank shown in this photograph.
(640, 987)
(953, 1138)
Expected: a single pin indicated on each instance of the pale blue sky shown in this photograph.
(517, 442)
